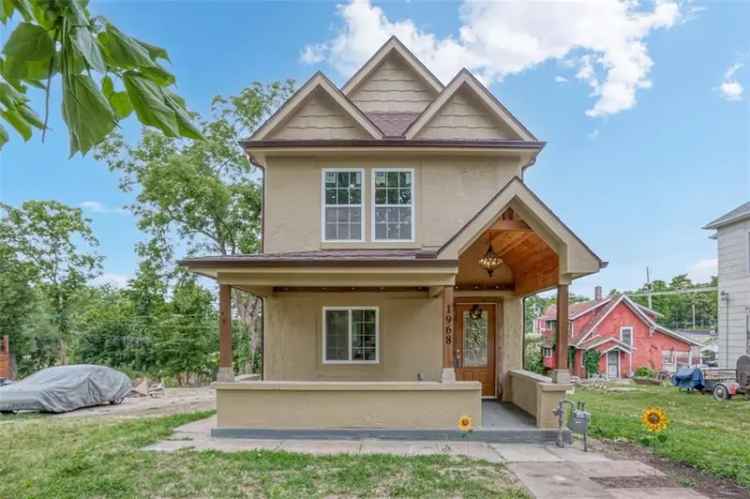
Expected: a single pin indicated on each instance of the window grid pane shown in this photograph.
(337, 335)
(351, 335)
(343, 205)
(393, 205)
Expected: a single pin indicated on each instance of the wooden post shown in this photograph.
(562, 374)
(449, 373)
(226, 370)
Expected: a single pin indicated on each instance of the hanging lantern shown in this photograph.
(490, 261)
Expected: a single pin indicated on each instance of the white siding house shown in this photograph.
(733, 238)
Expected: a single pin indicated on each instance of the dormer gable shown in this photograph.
(318, 111)
(466, 109)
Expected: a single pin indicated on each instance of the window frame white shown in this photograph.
(373, 204)
(351, 308)
(632, 335)
(324, 205)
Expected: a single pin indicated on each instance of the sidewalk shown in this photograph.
(546, 471)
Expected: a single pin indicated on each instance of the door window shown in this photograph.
(475, 338)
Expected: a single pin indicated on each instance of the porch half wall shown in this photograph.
(347, 404)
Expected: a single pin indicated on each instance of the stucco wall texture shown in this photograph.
(410, 341)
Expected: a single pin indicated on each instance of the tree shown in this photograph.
(206, 193)
(16, 295)
(61, 37)
(58, 241)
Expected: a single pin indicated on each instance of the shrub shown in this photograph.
(644, 372)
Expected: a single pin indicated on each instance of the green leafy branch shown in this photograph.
(60, 37)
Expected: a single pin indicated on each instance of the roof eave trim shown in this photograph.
(204, 263)
(388, 142)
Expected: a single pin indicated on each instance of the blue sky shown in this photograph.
(662, 150)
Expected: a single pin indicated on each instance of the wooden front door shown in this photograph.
(474, 345)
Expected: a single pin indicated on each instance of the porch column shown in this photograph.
(449, 373)
(226, 371)
(562, 374)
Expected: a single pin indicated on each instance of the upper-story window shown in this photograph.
(626, 335)
(342, 206)
(393, 210)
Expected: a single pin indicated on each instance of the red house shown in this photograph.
(624, 333)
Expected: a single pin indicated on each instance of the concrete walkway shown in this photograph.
(546, 471)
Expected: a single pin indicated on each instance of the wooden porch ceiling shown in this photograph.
(530, 264)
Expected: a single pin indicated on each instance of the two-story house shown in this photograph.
(732, 234)
(399, 240)
(623, 333)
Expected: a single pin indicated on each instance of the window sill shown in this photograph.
(324, 245)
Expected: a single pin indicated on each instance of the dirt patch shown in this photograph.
(634, 482)
(174, 401)
(683, 474)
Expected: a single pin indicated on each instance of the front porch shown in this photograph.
(394, 342)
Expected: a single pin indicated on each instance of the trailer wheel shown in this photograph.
(721, 393)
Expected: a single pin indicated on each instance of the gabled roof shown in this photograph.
(464, 79)
(317, 81)
(738, 214)
(580, 339)
(577, 259)
(393, 45)
(602, 341)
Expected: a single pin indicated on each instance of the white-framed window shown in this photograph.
(342, 191)
(626, 335)
(351, 335)
(393, 204)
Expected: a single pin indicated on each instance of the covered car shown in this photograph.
(65, 388)
(688, 378)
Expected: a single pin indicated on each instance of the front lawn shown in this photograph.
(66, 457)
(709, 435)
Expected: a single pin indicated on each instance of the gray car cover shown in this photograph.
(65, 388)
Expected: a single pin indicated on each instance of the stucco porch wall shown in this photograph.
(409, 343)
(537, 395)
(325, 405)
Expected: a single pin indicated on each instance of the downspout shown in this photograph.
(261, 247)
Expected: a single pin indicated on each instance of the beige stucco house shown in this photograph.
(399, 240)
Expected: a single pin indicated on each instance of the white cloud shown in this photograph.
(703, 270)
(560, 79)
(605, 38)
(97, 207)
(115, 280)
(730, 89)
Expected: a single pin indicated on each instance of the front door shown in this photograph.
(474, 345)
(613, 364)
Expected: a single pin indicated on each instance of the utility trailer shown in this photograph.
(726, 383)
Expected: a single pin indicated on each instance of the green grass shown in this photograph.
(66, 457)
(709, 435)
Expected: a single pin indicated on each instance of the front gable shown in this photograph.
(318, 111)
(319, 117)
(393, 86)
(467, 110)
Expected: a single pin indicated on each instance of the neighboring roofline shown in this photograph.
(637, 309)
(465, 77)
(602, 263)
(317, 80)
(393, 43)
(259, 262)
(678, 336)
(718, 223)
(390, 143)
(593, 307)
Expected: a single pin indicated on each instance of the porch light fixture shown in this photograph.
(490, 261)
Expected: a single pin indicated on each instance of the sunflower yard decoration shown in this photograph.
(465, 424)
(654, 419)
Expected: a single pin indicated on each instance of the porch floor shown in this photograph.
(505, 416)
